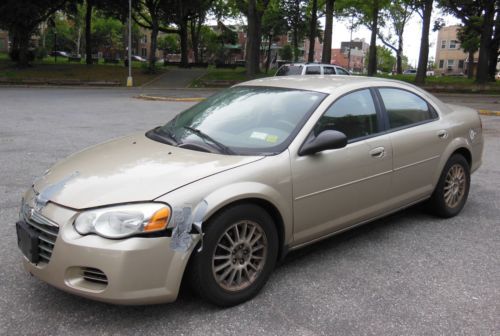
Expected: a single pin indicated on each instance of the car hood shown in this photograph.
(129, 169)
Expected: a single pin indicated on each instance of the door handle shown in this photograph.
(378, 152)
(443, 134)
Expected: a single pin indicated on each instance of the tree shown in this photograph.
(368, 14)
(385, 59)
(313, 22)
(22, 19)
(254, 11)
(327, 42)
(294, 12)
(274, 24)
(286, 52)
(398, 14)
(479, 15)
(469, 41)
(424, 9)
(150, 14)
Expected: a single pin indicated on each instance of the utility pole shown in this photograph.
(130, 81)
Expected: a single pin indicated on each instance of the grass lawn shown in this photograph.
(225, 77)
(452, 81)
(47, 69)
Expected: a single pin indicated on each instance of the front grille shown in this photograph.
(47, 234)
(94, 275)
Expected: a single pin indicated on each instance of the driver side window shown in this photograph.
(353, 114)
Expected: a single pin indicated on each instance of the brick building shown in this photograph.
(353, 60)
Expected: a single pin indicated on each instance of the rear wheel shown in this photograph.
(452, 190)
(240, 249)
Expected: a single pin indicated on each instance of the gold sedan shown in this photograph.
(225, 189)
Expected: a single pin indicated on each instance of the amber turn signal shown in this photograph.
(158, 221)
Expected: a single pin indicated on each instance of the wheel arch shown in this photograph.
(267, 206)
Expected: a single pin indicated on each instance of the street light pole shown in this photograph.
(130, 81)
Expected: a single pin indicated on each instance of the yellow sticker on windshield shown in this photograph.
(272, 138)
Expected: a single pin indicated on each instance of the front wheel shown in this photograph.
(452, 190)
(240, 249)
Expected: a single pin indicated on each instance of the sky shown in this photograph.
(411, 35)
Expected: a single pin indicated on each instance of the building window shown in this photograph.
(144, 52)
(461, 64)
(443, 44)
(453, 44)
(441, 64)
(451, 64)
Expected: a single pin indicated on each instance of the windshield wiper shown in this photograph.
(169, 136)
(204, 136)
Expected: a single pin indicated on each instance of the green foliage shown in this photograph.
(107, 32)
(385, 59)
(170, 43)
(22, 19)
(286, 53)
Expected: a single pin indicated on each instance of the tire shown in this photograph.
(248, 266)
(452, 189)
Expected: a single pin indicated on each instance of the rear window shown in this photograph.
(289, 70)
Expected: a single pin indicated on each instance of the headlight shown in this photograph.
(123, 221)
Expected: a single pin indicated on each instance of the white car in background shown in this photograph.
(310, 69)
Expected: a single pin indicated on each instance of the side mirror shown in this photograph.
(328, 139)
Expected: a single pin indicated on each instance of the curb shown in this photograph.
(170, 99)
(489, 113)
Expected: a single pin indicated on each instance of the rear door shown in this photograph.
(334, 189)
(418, 139)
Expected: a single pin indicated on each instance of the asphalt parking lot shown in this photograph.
(408, 274)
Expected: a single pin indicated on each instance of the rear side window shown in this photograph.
(328, 71)
(289, 70)
(405, 108)
(341, 71)
(313, 70)
(353, 114)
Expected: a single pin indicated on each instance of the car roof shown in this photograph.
(325, 84)
(312, 63)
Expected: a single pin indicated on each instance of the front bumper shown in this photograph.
(137, 270)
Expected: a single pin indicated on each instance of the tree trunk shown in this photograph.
(312, 30)
(183, 31)
(470, 65)
(195, 37)
(326, 57)
(88, 32)
(424, 43)
(153, 45)
(399, 56)
(295, 44)
(372, 57)
(495, 46)
(253, 39)
(23, 42)
(485, 44)
(268, 60)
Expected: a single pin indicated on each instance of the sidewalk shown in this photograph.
(175, 78)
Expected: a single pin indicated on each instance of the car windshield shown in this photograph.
(242, 121)
(289, 70)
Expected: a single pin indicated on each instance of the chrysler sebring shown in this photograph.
(225, 189)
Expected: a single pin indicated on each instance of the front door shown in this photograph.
(334, 189)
